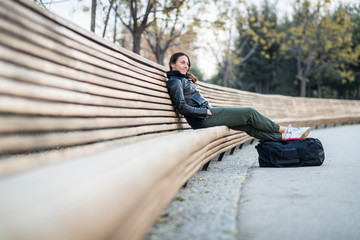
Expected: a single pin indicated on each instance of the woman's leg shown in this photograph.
(256, 133)
(244, 119)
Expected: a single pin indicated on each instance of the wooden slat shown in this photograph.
(21, 143)
(24, 90)
(51, 29)
(98, 85)
(80, 35)
(23, 124)
(17, 163)
(52, 55)
(111, 89)
(36, 39)
(32, 107)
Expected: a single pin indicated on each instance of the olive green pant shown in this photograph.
(244, 119)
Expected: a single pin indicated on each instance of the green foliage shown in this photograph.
(315, 53)
(258, 36)
(197, 72)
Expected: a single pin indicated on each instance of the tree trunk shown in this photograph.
(319, 89)
(266, 88)
(160, 57)
(303, 86)
(115, 25)
(136, 41)
(225, 78)
(93, 15)
(258, 87)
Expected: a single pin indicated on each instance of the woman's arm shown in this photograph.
(176, 92)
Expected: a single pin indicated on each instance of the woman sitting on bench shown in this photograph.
(199, 113)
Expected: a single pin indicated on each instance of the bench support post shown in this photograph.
(206, 166)
(221, 156)
(232, 150)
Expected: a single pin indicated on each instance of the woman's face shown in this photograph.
(181, 65)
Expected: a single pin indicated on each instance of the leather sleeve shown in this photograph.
(176, 92)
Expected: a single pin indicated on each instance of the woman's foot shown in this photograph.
(301, 132)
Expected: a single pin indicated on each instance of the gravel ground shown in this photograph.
(207, 208)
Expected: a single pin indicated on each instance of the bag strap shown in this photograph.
(275, 160)
(301, 152)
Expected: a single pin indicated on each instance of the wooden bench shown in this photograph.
(287, 110)
(90, 144)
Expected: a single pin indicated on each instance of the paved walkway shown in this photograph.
(238, 200)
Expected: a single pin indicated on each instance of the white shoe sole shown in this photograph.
(306, 133)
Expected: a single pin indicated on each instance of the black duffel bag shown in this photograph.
(290, 153)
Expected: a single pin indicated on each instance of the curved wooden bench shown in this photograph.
(90, 144)
(103, 195)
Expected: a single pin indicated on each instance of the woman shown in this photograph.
(199, 114)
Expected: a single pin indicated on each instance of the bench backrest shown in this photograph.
(65, 89)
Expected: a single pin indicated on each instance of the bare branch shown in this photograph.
(244, 43)
(107, 17)
(249, 54)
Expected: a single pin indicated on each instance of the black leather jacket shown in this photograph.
(187, 99)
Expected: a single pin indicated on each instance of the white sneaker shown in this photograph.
(301, 132)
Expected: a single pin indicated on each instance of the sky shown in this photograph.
(72, 11)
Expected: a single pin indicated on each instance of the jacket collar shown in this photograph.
(175, 74)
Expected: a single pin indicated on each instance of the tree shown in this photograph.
(222, 29)
(93, 15)
(165, 29)
(135, 14)
(354, 12)
(224, 62)
(257, 48)
(166, 25)
(318, 41)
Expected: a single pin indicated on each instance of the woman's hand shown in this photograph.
(209, 112)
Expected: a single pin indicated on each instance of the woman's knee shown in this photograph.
(251, 110)
(252, 115)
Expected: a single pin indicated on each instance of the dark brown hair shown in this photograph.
(173, 60)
